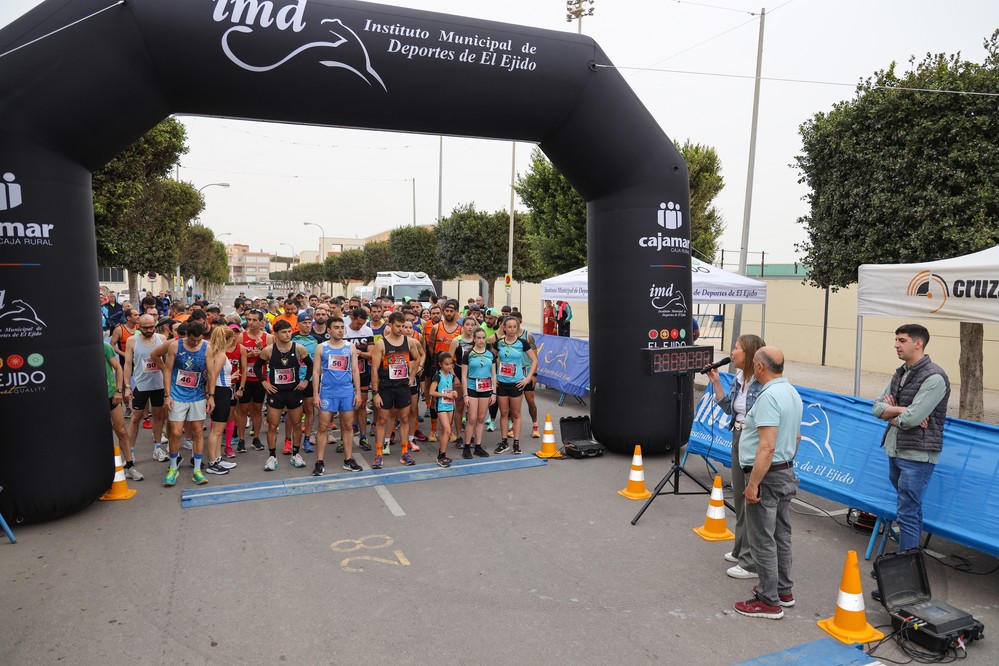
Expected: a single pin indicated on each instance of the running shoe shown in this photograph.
(363, 443)
(225, 464)
(355, 428)
(454, 438)
(307, 445)
(407, 460)
(534, 432)
(377, 463)
(257, 446)
(414, 447)
(159, 455)
(490, 426)
(333, 426)
(171, 476)
(481, 452)
(339, 446)
(287, 447)
(419, 419)
(758, 608)
(443, 461)
(134, 473)
(785, 600)
(188, 444)
(509, 433)
(229, 453)
(500, 448)
(271, 464)
(351, 466)
(240, 446)
(147, 424)
(427, 413)
(432, 437)
(419, 436)
(296, 461)
(466, 452)
(386, 448)
(214, 468)
(199, 477)
(516, 449)
(319, 469)
(460, 441)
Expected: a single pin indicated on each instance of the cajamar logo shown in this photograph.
(931, 287)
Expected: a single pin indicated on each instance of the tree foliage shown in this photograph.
(344, 267)
(140, 213)
(902, 176)
(415, 249)
(556, 230)
(471, 241)
(704, 175)
(203, 256)
(377, 257)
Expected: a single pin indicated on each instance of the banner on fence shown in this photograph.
(564, 363)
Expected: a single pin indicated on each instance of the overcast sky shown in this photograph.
(357, 183)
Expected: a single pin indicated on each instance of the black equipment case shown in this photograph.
(905, 593)
(577, 438)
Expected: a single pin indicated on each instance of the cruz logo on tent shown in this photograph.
(931, 287)
(261, 13)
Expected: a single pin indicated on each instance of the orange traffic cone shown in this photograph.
(119, 488)
(636, 479)
(714, 522)
(548, 449)
(849, 624)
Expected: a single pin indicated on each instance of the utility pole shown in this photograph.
(440, 181)
(744, 250)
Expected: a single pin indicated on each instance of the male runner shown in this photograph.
(439, 339)
(186, 398)
(284, 389)
(396, 358)
(140, 365)
(303, 336)
(252, 401)
(359, 334)
(337, 383)
(123, 331)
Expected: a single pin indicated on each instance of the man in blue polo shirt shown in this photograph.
(770, 437)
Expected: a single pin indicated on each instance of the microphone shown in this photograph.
(716, 365)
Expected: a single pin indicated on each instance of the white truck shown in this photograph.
(402, 285)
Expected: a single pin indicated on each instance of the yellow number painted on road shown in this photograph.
(353, 545)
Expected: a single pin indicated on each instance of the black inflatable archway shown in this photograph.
(72, 100)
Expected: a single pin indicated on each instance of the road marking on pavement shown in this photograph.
(203, 496)
(383, 492)
(359, 544)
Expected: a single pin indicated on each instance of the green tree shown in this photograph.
(475, 242)
(344, 267)
(140, 213)
(377, 257)
(415, 249)
(556, 230)
(901, 175)
(203, 257)
(704, 175)
(311, 274)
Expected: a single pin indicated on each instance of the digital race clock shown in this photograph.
(671, 360)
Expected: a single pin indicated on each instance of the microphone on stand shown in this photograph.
(716, 365)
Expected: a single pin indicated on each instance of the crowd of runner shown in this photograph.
(304, 367)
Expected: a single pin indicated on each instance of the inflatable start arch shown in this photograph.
(71, 98)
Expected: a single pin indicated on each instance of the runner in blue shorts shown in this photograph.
(336, 380)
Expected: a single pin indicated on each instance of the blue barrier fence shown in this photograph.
(840, 458)
(564, 363)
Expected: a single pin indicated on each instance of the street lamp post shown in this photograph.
(574, 11)
(321, 238)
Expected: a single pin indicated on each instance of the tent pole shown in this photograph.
(856, 361)
(763, 324)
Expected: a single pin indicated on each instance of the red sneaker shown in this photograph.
(785, 600)
(287, 447)
(756, 608)
(147, 424)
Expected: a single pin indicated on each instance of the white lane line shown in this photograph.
(382, 491)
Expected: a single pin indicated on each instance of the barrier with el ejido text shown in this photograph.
(564, 363)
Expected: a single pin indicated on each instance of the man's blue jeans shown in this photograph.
(909, 478)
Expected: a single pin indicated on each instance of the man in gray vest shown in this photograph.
(914, 404)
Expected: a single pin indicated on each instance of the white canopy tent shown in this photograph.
(957, 289)
(710, 284)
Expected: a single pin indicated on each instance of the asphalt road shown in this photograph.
(531, 566)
